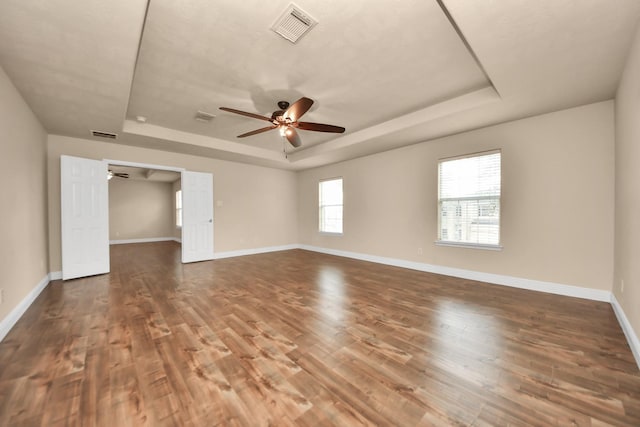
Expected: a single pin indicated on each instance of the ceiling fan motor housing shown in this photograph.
(276, 114)
(283, 105)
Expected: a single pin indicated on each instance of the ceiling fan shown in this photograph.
(111, 174)
(286, 119)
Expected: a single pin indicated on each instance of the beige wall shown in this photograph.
(627, 249)
(23, 217)
(557, 200)
(140, 209)
(255, 206)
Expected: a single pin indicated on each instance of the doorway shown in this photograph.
(143, 205)
(85, 213)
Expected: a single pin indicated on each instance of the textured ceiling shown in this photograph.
(361, 64)
(393, 73)
(72, 60)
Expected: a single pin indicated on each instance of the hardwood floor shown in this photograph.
(300, 338)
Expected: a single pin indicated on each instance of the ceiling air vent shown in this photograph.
(107, 135)
(294, 23)
(203, 116)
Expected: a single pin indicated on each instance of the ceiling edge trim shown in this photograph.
(167, 134)
(466, 44)
(143, 24)
(449, 107)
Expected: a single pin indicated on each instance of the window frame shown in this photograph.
(178, 205)
(468, 244)
(321, 206)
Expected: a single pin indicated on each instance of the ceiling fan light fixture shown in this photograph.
(285, 129)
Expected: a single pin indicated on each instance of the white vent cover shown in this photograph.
(203, 116)
(294, 23)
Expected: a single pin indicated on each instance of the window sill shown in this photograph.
(330, 233)
(469, 245)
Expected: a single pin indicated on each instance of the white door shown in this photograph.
(85, 217)
(197, 216)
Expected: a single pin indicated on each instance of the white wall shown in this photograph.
(23, 191)
(140, 209)
(254, 206)
(627, 200)
(557, 200)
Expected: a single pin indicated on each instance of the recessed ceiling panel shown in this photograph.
(363, 63)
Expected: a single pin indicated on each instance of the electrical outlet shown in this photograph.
(1, 296)
(622, 285)
(419, 251)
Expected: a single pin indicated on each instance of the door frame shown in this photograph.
(143, 165)
(114, 162)
(150, 166)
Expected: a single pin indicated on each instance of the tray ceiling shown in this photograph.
(392, 73)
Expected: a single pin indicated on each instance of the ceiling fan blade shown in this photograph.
(257, 131)
(295, 111)
(320, 127)
(293, 137)
(244, 113)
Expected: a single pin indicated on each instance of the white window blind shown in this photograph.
(330, 215)
(469, 199)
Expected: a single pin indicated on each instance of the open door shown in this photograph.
(85, 217)
(197, 216)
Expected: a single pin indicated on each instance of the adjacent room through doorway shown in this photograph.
(143, 206)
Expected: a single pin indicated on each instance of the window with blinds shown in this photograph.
(178, 208)
(330, 215)
(469, 200)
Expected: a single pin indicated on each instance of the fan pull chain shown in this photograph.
(284, 147)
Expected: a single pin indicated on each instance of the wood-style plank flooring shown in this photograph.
(300, 338)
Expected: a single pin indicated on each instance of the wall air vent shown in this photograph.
(294, 23)
(203, 116)
(107, 135)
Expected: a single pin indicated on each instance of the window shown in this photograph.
(469, 200)
(330, 192)
(179, 208)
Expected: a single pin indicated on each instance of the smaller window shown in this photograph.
(179, 208)
(330, 215)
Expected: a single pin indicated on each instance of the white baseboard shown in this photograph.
(632, 337)
(145, 240)
(55, 275)
(175, 239)
(12, 318)
(243, 252)
(497, 279)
